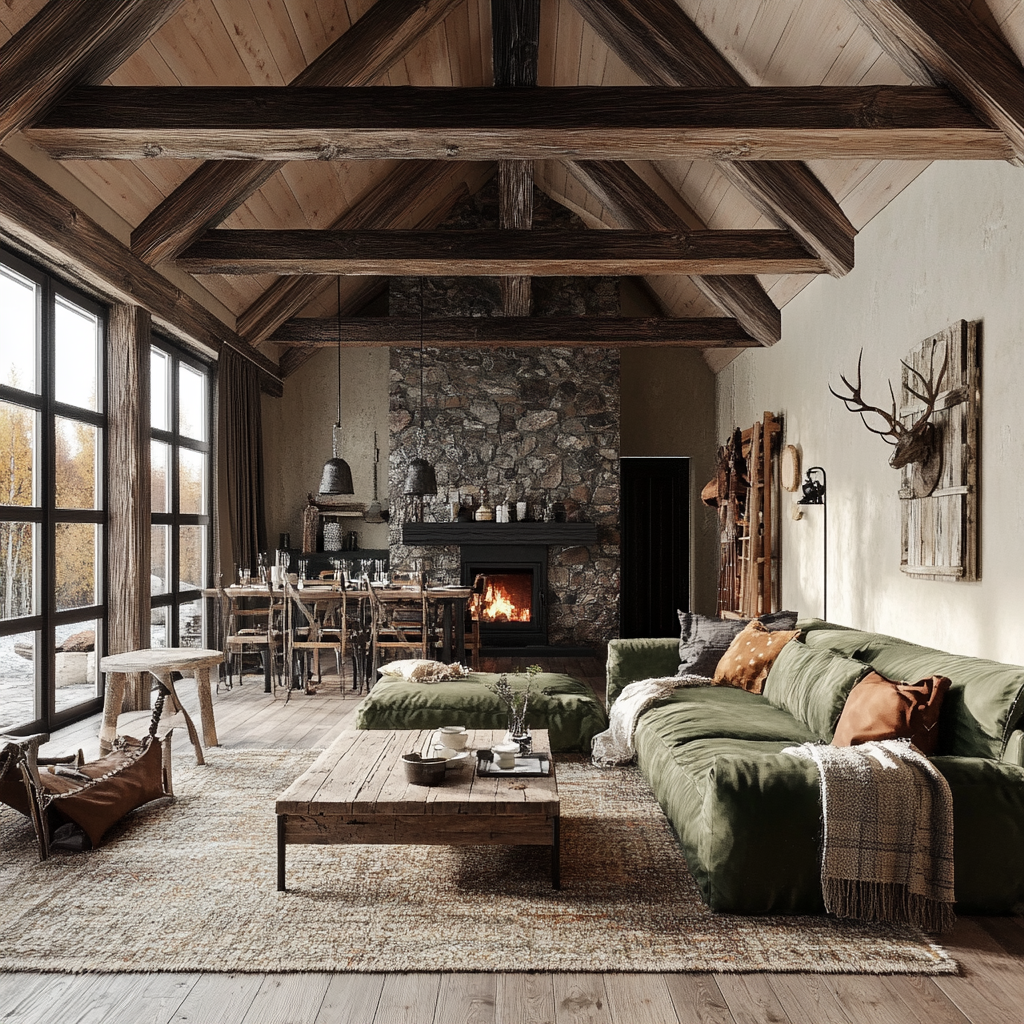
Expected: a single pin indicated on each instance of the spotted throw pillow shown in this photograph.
(749, 657)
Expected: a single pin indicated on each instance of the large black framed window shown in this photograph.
(53, 478)
(180, 485)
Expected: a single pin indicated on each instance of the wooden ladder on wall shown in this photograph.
(748, 576)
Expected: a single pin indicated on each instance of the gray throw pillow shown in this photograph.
(703, 639)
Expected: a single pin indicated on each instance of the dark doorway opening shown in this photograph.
(655, 511)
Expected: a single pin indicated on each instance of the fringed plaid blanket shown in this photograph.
(888, 833)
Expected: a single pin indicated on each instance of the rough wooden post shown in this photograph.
(515, 30)
(128, 604)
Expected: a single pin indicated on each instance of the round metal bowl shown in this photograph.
(424, 771)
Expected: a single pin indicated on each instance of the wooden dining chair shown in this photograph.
(308, 635)
(251, 628)
(474, 607)
(401, 623)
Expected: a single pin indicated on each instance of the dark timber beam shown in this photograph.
(515, 34)
(35, 216)
(658, 42)
(634, 204)
(641, 123)
(384, 206)
(496, 253)
(961, 50)
(377, 40)
(484, 331)
(70, 43)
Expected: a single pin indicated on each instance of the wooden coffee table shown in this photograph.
(356, 792)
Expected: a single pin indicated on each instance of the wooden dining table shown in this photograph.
(451, 599)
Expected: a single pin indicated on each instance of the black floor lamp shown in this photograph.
(814, 490)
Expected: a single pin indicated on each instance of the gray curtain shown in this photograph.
(240, 433)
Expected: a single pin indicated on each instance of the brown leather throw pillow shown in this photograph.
(879, 709)
(749, 657)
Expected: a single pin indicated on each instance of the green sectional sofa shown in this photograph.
(748, 817)
(564, 706)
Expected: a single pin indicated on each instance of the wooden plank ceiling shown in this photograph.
(724, 151)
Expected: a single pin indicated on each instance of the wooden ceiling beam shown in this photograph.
(962, 51)
(382, 36)
(634, 204)
(515, 36)
(484, 331)
(659, 43)
(497, 253)
(67, 44)
(55, 231)
(579, 122)
(386, 205)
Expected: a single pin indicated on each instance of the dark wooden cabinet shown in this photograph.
(655, 524)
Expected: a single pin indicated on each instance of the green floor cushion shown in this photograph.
(564, 706)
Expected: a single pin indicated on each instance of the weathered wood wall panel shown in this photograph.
(940, 531)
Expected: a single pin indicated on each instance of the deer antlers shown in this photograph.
(913, 443)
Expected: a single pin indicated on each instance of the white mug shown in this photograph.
(453, 736)
(505, 754)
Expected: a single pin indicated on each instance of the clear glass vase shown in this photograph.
(519, 732)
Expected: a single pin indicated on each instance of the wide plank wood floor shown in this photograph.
(991, 950)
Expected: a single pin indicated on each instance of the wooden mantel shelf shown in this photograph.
(550, 534)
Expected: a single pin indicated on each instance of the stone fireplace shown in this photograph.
(536, 424)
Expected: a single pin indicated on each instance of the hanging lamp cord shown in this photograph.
(423, 425)
(334, 444)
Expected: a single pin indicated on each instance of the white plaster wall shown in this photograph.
(297, 438)
(950, 247)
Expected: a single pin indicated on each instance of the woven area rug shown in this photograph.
(190, 886)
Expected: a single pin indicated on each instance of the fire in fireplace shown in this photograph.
(515, 596)
(508, 597)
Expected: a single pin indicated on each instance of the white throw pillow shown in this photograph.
(419, 670)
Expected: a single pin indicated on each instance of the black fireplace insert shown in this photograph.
(514, 612)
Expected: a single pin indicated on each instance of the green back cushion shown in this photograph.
(812, 685)
(985, 700)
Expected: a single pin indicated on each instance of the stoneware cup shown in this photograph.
(505, 754)
(453, 736)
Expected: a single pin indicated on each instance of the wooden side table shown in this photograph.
(160, 662)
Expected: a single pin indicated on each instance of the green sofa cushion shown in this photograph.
(630, 660)
(703, 712)
(748, 817)
(564, 706)
(985, 701)
(812, 685)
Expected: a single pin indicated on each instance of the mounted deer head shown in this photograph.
(913, 444)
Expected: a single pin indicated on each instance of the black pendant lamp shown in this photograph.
(337, 476)
(421, 478)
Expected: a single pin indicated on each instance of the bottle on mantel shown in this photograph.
(484, 512)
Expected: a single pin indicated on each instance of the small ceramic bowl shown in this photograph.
(424, 771)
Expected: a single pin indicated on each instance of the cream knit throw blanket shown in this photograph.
(888, 843)
(614, 746)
